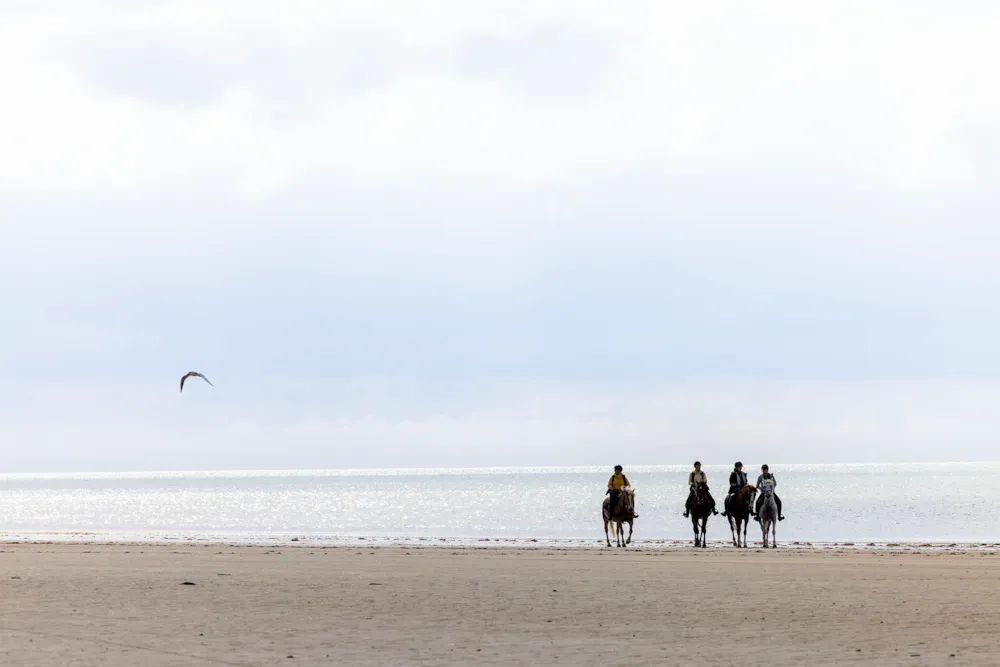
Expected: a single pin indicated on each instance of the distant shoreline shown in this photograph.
(635, 468)
(289, 540)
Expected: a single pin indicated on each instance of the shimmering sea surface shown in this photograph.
(861, 504)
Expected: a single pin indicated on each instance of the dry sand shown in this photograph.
(64, 604)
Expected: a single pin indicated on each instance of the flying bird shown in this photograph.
(194, 374)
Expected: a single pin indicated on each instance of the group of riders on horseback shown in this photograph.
(737, 481)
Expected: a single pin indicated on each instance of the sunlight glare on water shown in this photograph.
(897, 502)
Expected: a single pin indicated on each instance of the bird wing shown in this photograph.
(194, 374)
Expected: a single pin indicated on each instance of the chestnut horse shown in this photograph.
(622, 512)
(738, 510)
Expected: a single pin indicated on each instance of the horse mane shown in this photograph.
(627, 495)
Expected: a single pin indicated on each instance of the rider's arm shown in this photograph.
(625, 480)
(691, 478)
(611, 482)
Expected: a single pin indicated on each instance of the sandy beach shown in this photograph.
(78, 604)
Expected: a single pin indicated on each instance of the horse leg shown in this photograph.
(694, 525)
(629, 540)
(704, 532)
(618, 534)
(774, 534)
(607, 538)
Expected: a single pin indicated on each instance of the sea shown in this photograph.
(839, 505)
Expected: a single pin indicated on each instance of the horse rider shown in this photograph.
(617, 482)
(765, 474)
(696, 476)
(737, 480)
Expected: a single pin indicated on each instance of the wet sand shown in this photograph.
(75, 604)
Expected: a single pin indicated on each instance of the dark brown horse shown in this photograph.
(701, 509)
(622, 512)
(738, 509)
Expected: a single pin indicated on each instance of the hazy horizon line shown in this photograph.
(424, 470)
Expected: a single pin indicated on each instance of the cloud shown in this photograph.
(409, 209)
(512, 425)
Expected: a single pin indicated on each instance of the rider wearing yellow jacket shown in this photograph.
(616, 483)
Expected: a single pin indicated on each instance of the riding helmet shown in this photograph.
(738, 464)
(618, 467)
(764, 467)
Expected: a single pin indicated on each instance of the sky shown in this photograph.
(399, 234)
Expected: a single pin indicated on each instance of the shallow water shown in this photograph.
(933, 503)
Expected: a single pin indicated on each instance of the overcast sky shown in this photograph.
(440, 233)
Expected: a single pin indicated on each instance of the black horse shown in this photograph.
(701, 509)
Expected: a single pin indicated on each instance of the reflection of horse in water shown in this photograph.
(768, 514)
(738, 509)
(701, 509)
(622, 512)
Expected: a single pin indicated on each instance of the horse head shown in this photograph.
(700, 489)
(627, 501)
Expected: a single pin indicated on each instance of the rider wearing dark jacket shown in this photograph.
(737, 480)
(766, 475)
